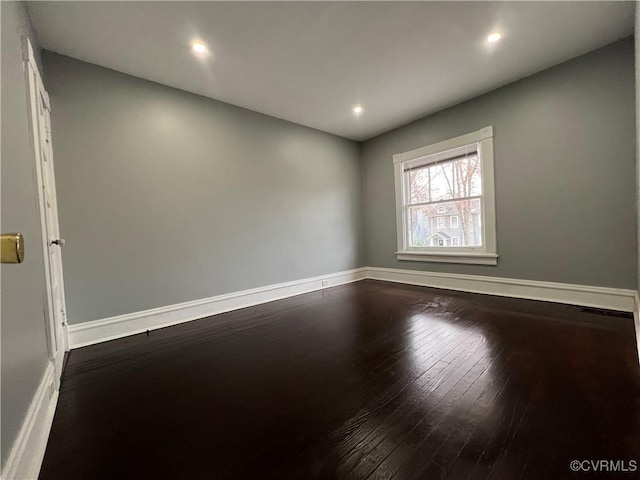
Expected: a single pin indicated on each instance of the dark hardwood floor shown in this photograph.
(368, 380)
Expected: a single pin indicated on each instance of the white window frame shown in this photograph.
(486, 254)
(441, 221)
(457, 217)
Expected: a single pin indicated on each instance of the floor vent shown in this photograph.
(608, 313)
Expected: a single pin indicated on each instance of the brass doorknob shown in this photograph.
(12, 248)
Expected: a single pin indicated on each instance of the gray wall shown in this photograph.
(166, 197)
(564, 142)
(24, 344)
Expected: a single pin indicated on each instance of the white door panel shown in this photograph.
(41, 129)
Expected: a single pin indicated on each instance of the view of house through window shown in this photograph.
(444, 199)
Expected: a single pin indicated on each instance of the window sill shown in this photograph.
(450, 257)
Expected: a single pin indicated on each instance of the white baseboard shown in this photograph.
(599, 297)
(111, 328)
(25, 459)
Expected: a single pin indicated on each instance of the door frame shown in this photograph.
(36, 89)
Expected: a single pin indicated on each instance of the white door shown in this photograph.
(52, 243)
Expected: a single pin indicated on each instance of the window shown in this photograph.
(454, 177)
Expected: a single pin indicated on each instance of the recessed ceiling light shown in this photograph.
(357, 109)
(494, 37)
(199, 47)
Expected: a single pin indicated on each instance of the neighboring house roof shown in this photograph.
(442, 235)
(446, 210)
(450, 209)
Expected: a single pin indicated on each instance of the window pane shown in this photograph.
(418, 183)
(437, 226)
(443, 185)
(468, 176)
(445, 181)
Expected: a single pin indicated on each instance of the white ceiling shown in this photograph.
(311, 62)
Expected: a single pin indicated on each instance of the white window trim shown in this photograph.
(485, 255)
(457, 217)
